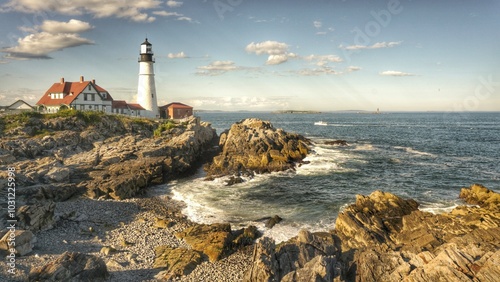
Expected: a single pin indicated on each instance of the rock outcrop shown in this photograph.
(383, 237)
(310, 256)
(253, 145)
(109, 156)
(71, 266)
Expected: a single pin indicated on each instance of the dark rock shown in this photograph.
(273, 221)
(246, 236)
(71, 266)
(234, 180)
(336, 142)
(24, 242)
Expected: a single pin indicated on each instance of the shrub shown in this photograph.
(164, 127)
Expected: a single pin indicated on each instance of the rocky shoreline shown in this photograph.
(85, 214)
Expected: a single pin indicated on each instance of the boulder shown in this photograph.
(273, 221)
(295, 257)
(477, 194)
(215, 240)
(71, 266)
(176, 261)
(336, 142)
(24, 241)
(253, 145)
(36, 217)
(372, 219)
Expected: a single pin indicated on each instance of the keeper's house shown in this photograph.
(82, 95)
(176, 111)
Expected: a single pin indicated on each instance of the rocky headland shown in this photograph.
(85, 212)
(255, 146)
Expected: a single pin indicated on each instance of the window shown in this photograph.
(90, 107)
(92, 96)
(152, 95)
(90, 88)
(82, 107)
(85, 97)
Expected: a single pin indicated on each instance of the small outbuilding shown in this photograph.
(176, 110)
(17, 107)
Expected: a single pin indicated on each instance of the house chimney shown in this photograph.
(93, 80)
(62, 80)
(81, 78)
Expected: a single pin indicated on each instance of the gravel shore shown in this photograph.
(129, 228)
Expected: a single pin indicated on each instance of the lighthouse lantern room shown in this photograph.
(146, 90)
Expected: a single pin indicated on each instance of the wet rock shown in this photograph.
(273, 221)
(336, 142)
(255, 145)
(71, 266)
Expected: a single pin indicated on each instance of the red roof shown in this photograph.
(176, 105)
(119, 104)
(135, 107)
(68, 88)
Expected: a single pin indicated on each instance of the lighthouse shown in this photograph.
(146, 90)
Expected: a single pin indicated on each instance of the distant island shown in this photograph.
(296, 112)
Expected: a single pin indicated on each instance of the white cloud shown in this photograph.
(353, 68)
(217, 68)
(174, 4)
(267, 47)
(323, 70)
(241, 102)
(377, 45)
(177, 56)
(73, 26)
(54, 36)
(396, 73)
(317, 24)
(128, 9)
(277, 59)
(322, 60)
(167, 14)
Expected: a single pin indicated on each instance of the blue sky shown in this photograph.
(396, 55)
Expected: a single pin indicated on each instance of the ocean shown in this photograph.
(425, 156)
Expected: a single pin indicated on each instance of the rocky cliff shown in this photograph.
(253, 145)
(383, 237)
(102, 156)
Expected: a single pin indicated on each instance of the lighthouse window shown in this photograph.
(152, 95)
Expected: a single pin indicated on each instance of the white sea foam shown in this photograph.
(415, 152)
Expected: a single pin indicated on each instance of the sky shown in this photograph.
(255, 55)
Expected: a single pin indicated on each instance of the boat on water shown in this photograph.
(321, 123)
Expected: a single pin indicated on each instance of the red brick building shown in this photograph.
(176, 111)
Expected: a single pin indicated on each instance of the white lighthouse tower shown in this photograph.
(146, 91)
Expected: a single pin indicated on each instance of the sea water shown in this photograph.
(425, 156)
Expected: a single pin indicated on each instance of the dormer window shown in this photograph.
(90, 87)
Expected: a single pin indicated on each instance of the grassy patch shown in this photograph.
(164, 127)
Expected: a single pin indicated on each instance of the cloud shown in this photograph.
(217, 68)
(177, 56)
(267, 47)
(129, 9)
(377, 45)
(54, 36)
(322, 60)
(241, 102)
(73, 26)
(353, 68)
(277, 51)
(174, 4)
(166, 14)
(396, 73)
(317, 24)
